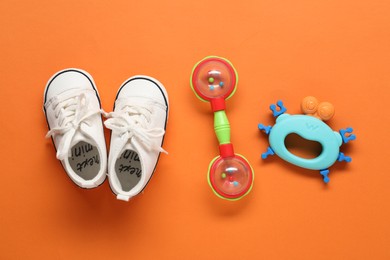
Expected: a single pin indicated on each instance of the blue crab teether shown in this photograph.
(310, 127)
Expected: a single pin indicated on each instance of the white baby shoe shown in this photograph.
(72, 110)
(138, 126)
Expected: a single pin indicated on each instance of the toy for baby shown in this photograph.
(309, 127)
(213, 80)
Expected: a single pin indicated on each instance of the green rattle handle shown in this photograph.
(222, 127)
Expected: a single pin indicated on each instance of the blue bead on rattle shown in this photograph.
(310, 127)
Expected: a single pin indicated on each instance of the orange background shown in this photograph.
(336, 50)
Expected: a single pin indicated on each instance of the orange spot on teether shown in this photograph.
(309, 105)
(325, 110)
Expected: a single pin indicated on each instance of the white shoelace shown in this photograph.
(132, 123)
(72, 112)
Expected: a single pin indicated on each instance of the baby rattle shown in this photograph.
(310, 127)
(214, 80)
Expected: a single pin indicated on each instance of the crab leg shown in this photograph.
(343, 157)
(324, 174)
(267, 129)
(268, 152)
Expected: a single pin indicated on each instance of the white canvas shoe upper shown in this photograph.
(138, 126)
(72, 109)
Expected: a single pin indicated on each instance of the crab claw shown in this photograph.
(281, 110)
(268, 152)
(346, 138)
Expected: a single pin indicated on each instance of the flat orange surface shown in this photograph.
(337, 50)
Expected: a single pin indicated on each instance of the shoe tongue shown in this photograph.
(128, 146)
(78, 137)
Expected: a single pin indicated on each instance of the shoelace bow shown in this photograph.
(72, 112)
(132, 123)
